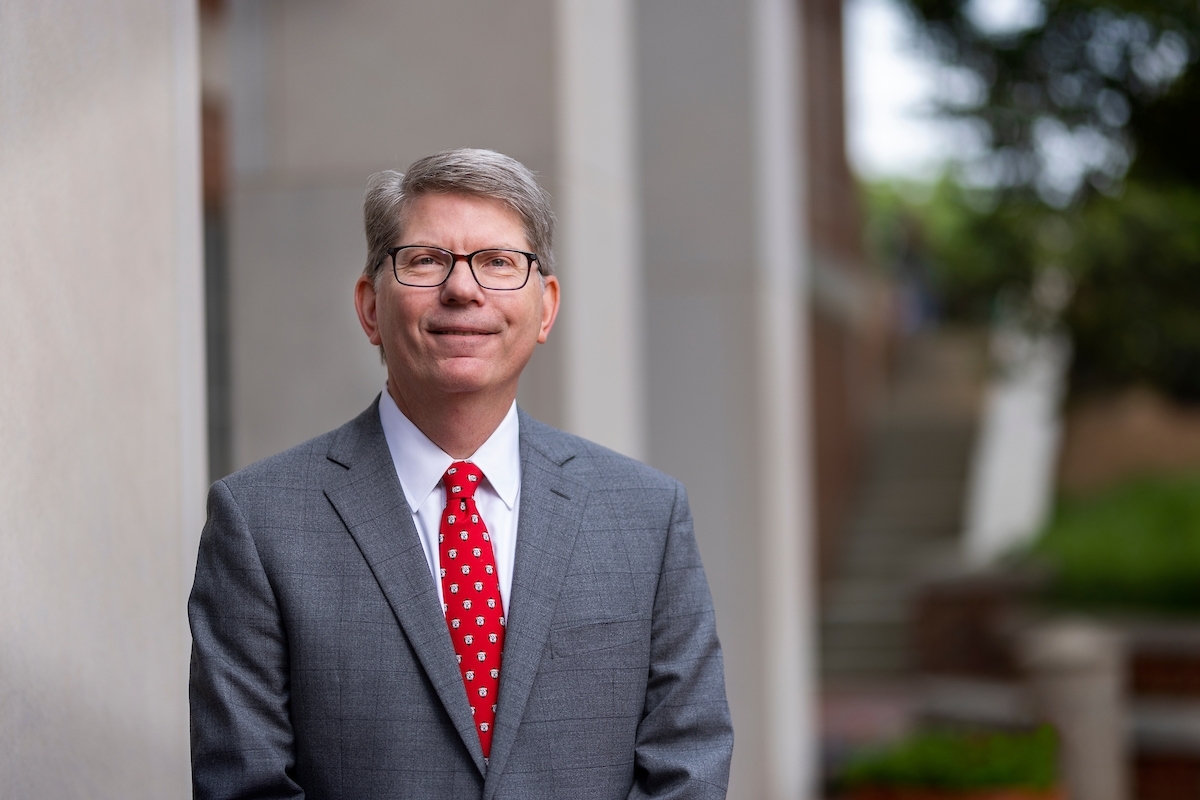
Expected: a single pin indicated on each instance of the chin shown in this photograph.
(463, 381)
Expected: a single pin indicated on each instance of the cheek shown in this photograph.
(400, 319)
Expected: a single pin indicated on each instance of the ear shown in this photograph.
(364, 303)
(549, 307)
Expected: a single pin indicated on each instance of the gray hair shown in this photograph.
(482, 173)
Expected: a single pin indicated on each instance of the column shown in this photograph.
(726, 305)
(102, 396)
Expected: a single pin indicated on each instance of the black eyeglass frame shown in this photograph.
(467, 257)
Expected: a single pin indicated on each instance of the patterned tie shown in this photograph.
(471, 590)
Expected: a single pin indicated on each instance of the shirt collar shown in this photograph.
(420, 464)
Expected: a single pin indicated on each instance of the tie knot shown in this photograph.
(462, 479)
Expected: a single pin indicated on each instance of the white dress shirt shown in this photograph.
(420, 465)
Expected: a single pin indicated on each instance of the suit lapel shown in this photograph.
(371, 503)
(551, 509)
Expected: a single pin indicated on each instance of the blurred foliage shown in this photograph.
(958, 244)
(1121, 75)
(1134, 548)
(1133, 260)
(1136, 262)
(959, 761)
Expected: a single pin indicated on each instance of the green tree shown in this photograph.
(1121, 77)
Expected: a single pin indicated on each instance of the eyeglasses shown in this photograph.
(497, 269)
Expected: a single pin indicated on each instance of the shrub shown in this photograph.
(1135, 548)
(960, 761)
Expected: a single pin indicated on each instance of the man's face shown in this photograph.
(456, 339)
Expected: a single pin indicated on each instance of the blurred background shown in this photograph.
(902, 290)
(1018, 548)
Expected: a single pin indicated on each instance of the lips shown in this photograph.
(459, 330)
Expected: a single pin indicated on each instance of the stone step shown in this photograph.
(908, 504)
(896, 559)
(868, 661)
(869, 590)
(924, 456)
(863, 638)
(864, 635)
(942, 462)
(883, 529)
(865, 613)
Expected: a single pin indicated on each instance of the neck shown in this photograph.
(458, 424)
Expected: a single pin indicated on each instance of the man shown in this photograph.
(445, 598)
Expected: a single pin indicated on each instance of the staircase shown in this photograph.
(908, 512)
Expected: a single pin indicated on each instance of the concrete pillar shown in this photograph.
(1076, 674)
(727, 350)
(101, 400)
(600, 238)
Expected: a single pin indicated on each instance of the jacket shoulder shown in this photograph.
(298, 466)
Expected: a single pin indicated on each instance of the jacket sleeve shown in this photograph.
(241, 731)
(685, 738)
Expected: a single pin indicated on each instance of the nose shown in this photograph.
(460, 285)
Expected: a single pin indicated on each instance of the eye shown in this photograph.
(422, 258)
(498, 260)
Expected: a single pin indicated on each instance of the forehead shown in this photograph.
(453, 219)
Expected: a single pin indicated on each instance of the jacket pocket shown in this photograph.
(597, 636)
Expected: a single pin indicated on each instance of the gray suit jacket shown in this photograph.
(322, 666)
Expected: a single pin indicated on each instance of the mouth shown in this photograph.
(460, 331)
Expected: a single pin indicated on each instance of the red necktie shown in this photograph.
(471, 591)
